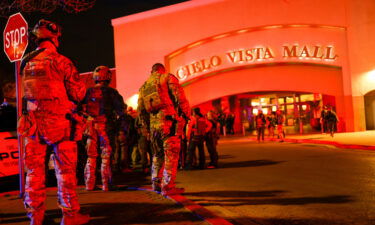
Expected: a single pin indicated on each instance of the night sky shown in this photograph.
(87, 37)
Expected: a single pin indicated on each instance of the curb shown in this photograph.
(322, 142)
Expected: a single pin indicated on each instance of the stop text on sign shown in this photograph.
(14, 38)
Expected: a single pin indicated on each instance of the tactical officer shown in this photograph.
(125, 140)
(144, 144)
(52, 87)
(101, 103)
(162, 101)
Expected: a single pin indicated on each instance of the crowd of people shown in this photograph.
(58, 112)
(275, 120)
(272, 121)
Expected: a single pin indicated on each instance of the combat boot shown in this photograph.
(36, 218)
(156, 187)
(36, 221)
(76, 219)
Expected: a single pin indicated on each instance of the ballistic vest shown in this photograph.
(155, 93)
(41, 81)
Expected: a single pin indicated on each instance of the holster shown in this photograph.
(77, 126)
(26, 125)
(173, 129)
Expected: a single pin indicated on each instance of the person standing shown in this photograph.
(332, 121)
(280, 125)
(271, 121)
(102, 103)
(162, 101)
(260, 121)
(197, 128)
(323, 120)
(144, 144)
(211, 141)
(230, 123)
(52, 89)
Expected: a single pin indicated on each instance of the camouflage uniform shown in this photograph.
(51, 85)
(162, 101)
(125, 141)
(100, 103)
(144, 144)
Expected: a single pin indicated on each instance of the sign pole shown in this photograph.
(20, 139)
(15, 39)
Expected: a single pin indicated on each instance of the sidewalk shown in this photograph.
(350, 140)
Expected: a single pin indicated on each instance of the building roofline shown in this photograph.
(162, 11)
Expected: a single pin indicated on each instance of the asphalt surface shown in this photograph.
(286, 183)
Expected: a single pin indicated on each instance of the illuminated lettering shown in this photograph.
(231, 56)
(181, 73)
(215, 61)
(290, 52)
(240, 56)
(196, 67)
(304, 52)
(316, 52)
(187, 70)
(258, 50)
(268, 54)
(205, 64)
(328, 54)
(249, 55)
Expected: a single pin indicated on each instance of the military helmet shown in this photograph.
(102, 73)
(45, 29)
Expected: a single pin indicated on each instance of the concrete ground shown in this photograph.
(350, 138)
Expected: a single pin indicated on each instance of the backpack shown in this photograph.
(152, 92)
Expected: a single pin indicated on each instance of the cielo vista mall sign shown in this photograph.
(246, 48)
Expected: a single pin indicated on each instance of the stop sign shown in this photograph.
(15, 37)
